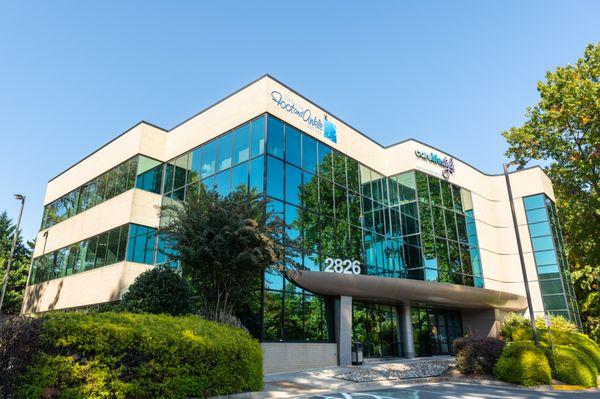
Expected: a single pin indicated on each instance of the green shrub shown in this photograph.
(124, 355)
(557, 323)
(477, 355)
(517, 327)
(158, 290)
(20, 340)
(514, 323)
(523, 363)
(580, 342)
(571, 366)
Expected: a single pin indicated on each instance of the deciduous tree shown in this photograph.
(563, 130)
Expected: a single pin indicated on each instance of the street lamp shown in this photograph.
(520, 248)
(21, 198)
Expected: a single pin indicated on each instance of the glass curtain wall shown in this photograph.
(550, 257)
(449, 238)
(140, 172)
(130, 242)
(334, 207)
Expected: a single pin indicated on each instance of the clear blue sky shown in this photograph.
(75, 74)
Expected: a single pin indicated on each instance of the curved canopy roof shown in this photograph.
(399, 290)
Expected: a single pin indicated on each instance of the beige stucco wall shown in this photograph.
(101, 285)
(499, 256)
(141, 139)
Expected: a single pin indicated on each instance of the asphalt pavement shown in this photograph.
(453, 390)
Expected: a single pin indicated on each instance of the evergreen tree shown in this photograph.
(19, 270)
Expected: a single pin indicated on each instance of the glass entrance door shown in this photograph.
(435, 330)
(376, 326)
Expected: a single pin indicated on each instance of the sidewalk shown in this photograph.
(318, 381)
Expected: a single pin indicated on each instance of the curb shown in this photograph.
(371, 385)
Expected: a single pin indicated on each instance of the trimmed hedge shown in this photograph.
(581, 342)
(523, 363)
(477, 355)
(124, 355)
(573, 367)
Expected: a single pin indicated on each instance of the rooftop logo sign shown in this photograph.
(447, 162)
(325, 127)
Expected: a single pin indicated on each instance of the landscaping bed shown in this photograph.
(124, 355)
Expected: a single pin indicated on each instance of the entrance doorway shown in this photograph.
(376, 326)
(434, 330)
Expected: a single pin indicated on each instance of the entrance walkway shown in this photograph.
(341, 378)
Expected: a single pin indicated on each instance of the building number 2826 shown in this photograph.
(343, 266)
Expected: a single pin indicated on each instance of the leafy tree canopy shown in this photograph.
(563, 129)
(158, 290)
(223, 244)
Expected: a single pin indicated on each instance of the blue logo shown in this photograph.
(325, 127)
(330, 131)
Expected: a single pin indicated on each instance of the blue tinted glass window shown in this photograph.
(196, 164)
(293, 184)
(324, 160)
(545, 257)
(292, 222)
(223, 183)
(275, 137)
(209, 182)
(293, 146)
(537, 215)
(239, 176)
(273, 280)
(257, 171)
(257, 146)
(209, 154)
(224, 152)
(309, 153)
(539, 229)
(274, 178)
(534, 201)
(552, 302)
(542, 243)
(241, 142)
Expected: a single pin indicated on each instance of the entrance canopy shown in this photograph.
(399, 290)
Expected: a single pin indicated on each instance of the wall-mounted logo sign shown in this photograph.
(325, 127)
(447, 162)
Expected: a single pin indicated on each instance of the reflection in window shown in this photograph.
(115, 181)
(550, 258)
(102, 250)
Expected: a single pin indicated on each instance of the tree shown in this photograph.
(223, 245)
(17, 277)
(563, 129)
(158, 290)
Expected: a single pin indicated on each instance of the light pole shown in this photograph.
(520, 248)
(21, 198)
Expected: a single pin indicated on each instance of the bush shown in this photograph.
(573, 367)
(158, 290)
(516, 327)
(580, 342)
(477, 355)
(523, 363)
(19, 341)
(514, 323)
(124, 355)
(557, 324)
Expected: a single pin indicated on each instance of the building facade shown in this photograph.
(403, 248)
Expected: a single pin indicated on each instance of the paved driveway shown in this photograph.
(450, 390)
